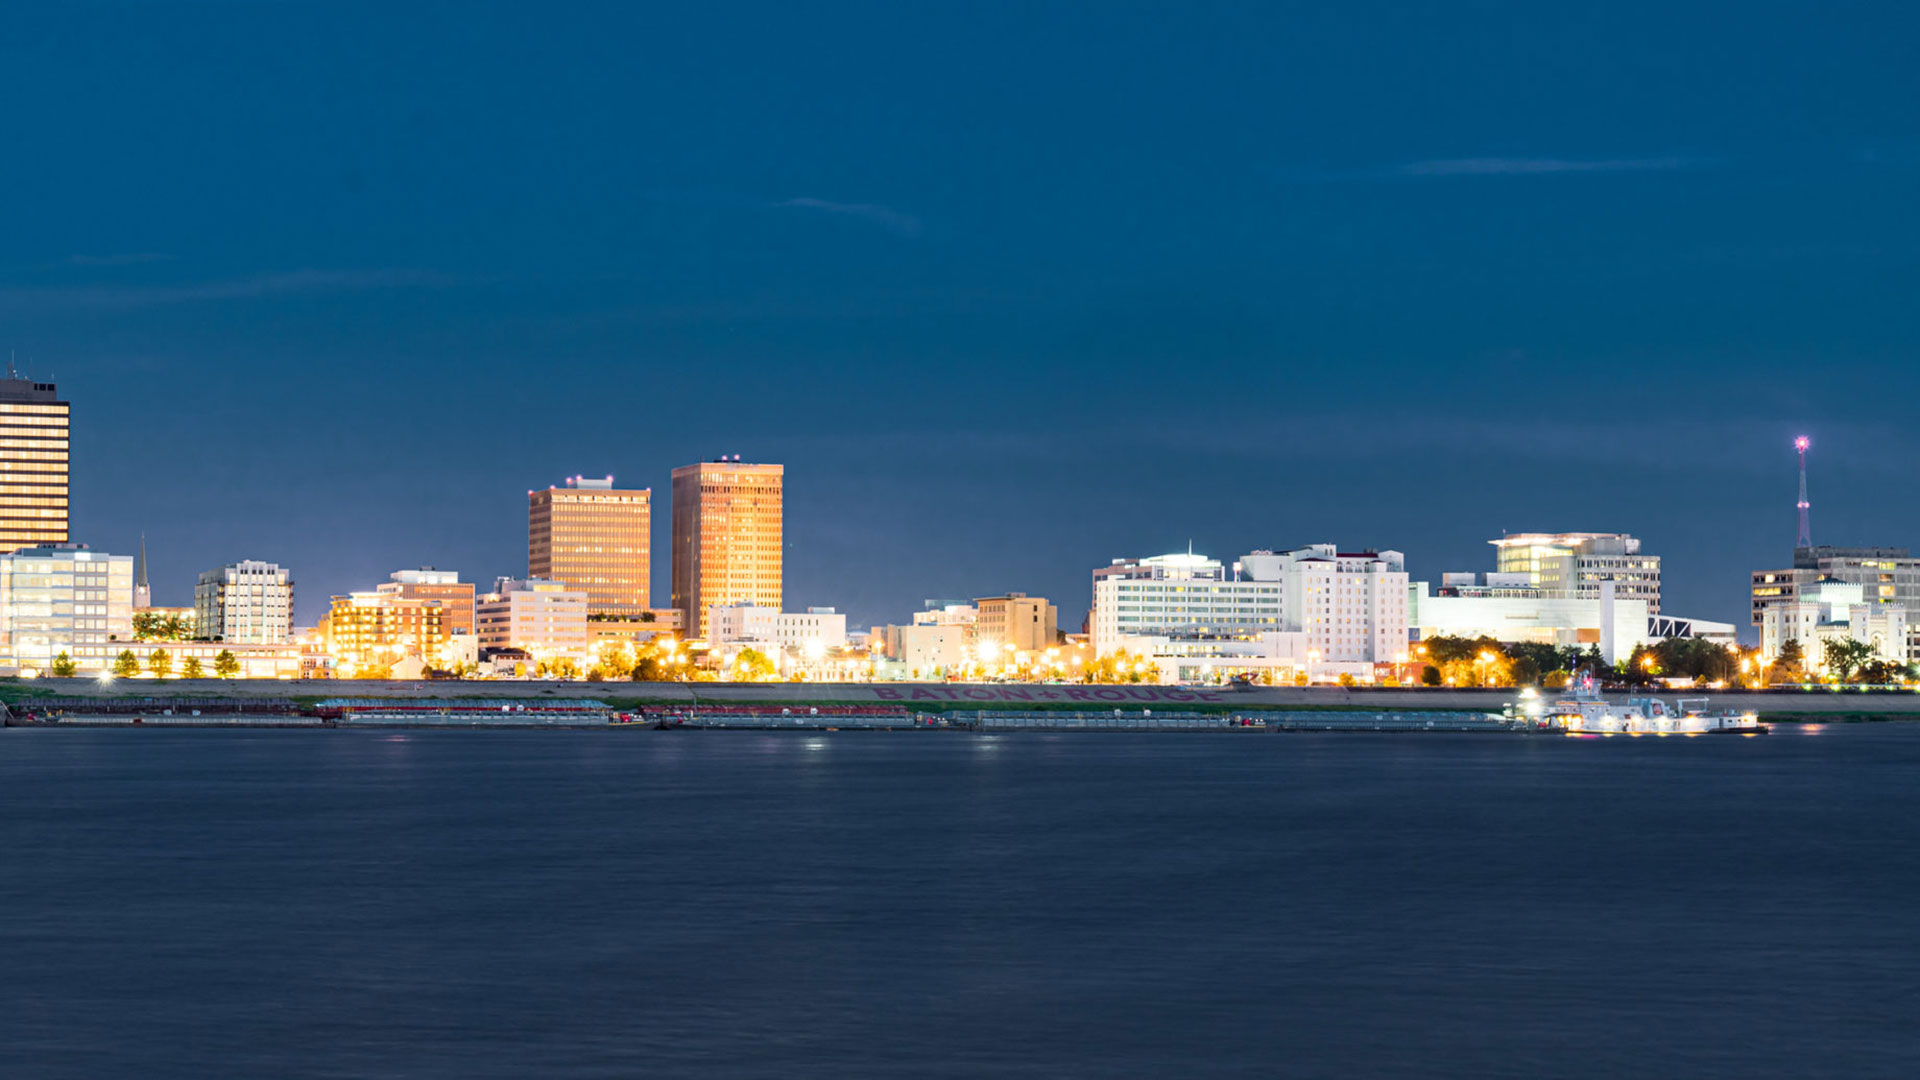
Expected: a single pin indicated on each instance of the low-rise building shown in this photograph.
(248, 602)
(927, 650)
(378, 629)
(1832, 610)
(454, 596)
(547, 619)
(1887, 576)
(805, 633)
(1028, 623)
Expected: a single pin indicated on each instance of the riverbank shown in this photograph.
(1772, 705)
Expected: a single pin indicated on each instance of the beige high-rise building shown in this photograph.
(726, 537)
(597, 539)
(33, 464)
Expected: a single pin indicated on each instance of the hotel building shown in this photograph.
(33, 464)
(248, 602)
(64, 598)
(381, 628)
(1316, 610)
(596, 538)
(727, 535)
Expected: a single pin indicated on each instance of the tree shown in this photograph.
(1790, 665)
(63, 667)
(160, 626)
(126, 665)
(615, 660)
(1844, 656)
(1118, 666)
(1430, 676)
(160, 662)
(226, 665)
(752, 665)
(192, 669)
(1884, 673)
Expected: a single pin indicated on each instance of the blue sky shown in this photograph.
(1012, 289)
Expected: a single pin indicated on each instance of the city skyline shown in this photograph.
(1408, 283)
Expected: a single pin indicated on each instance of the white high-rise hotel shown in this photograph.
(1316, 609)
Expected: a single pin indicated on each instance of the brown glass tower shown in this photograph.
(726, 537)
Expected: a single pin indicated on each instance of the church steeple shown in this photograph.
(142, 594)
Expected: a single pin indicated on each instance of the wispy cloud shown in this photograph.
(885, 216)
(130, 258)
(894, 221)
(120, 297)
(1543, 166)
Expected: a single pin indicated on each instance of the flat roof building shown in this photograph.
(595, 537)
(727, 537)
(1572, 565)
(249, 602)
(33, 463)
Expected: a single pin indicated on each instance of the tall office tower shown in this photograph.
(726, 537)
(597, 539)
(33, 463)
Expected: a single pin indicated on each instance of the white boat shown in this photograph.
(1582, 711)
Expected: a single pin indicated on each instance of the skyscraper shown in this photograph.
(33, 464)
(726, 537)
(597, 539)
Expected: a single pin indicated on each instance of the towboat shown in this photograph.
(1582, 711)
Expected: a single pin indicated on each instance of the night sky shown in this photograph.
(1012, 290)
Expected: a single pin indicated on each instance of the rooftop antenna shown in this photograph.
(1805, 539)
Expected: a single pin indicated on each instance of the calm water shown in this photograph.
(453, 904)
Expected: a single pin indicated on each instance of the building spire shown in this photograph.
(1805, 538)
(142, 594)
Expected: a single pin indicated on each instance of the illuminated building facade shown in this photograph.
(1028, 623)
(380, 628)
(596, 538)
(249, 602)
(548, 619)
(727, 536)
(64, 599)
(454, 596)
(1572, 565)
(33, 464)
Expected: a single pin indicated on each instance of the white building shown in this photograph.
(248, 602)
(67, 599)
(804, 633)
(1832, 610)
(1313, 611)
(924, 650)
(545, 618)
(1573, 565)
(1506, 610)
